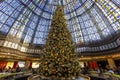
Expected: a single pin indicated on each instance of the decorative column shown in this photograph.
(111, 63)
(86, 63)
(27, 64)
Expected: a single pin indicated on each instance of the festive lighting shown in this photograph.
(59, 58)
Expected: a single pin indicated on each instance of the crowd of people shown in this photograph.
(109, 70)
(10, 70)
(100, 70)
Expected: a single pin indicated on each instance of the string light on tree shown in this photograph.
(59, 57)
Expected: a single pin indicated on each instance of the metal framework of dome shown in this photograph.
(89, 21)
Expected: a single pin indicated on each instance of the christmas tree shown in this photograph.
(59, 58)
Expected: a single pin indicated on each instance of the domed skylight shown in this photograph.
(28, 21)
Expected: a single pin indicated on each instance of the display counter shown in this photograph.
(38, 77)
(15, 76)
(104, 76)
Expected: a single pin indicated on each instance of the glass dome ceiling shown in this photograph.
(29, 21)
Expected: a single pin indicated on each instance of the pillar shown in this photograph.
(86, 63)
(27, 64)
(111, 63)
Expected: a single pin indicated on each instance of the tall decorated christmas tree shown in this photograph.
(59, 58)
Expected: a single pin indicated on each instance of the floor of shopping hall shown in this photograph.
(59, 39)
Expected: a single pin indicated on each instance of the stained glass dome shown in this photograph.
(25, 22)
